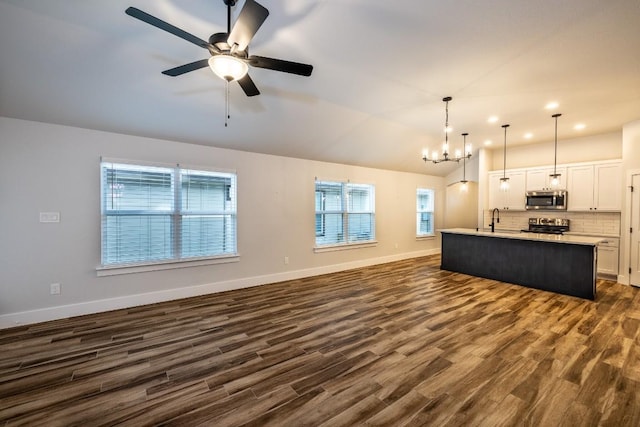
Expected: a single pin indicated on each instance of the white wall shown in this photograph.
(586, 149)
(461, 209)
(471, 172)
(47, 168)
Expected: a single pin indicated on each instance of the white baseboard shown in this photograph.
(128, 301)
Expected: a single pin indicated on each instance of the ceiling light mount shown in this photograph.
(446, 157)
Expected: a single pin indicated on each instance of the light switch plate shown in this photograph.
(49, 216)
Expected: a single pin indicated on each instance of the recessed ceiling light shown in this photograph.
(579, 126)
(448, 129)
(528, 135)
(551, 105)
(492, 119)
(488, 142)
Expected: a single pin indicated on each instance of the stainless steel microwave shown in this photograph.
(546, 200)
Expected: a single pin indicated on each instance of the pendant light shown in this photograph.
(465, 153)
(504, 181)
(555, 175)
(464, 166)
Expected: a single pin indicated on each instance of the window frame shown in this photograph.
(344, 211)
(178, 217)
(428, 210)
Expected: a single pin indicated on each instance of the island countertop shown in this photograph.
(540, 237)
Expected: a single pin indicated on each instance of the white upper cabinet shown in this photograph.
(514, 197)
(608, 185)
(595, 187)
(539, 179)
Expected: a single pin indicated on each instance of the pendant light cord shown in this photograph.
(446, 125)
(555, 150)
(504, 166)
(464, 158)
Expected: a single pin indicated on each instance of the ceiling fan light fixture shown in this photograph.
(228, 67)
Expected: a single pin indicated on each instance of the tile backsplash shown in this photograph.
(598, 223)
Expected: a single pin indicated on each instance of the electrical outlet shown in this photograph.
(55, 289)
(286, 260)
(49, 216)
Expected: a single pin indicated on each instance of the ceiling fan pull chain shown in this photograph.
(227, 116)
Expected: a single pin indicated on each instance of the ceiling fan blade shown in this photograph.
(177, 71)
(251, 17)
(280, 65)
(248, 86)
(159, 23)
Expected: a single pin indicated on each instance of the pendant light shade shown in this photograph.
(555, 176)
(504, 181)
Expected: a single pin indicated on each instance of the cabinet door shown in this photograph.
(608, 187)
(607, 260)
(562, 179)
(540, 179)
(496, 195)
(537, 179)
(515, 196)
(580, 188)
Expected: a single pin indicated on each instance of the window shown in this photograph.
(154, 214)
(345, 213)
(424, 216)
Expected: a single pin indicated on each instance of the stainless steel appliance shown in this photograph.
(547, 225)
(546, 200)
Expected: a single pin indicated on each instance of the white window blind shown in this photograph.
(424, 208)
(152, 214)
(345, 213)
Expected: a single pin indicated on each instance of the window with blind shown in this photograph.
(155, 214)
(345, 213)
(424, 216)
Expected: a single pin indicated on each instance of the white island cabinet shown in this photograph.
(595, 187)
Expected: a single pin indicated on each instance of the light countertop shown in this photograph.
(540, 237)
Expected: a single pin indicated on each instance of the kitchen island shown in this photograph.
(557, 263)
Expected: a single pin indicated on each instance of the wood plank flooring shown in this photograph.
(399, 344)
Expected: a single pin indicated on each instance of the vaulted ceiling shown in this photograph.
(381, 69)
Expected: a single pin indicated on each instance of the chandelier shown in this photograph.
(446, 156)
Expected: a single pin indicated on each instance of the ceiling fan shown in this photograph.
(229, 51)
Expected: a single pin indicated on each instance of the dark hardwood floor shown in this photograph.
(396, 344)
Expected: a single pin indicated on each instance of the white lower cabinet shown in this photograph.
(608, 252)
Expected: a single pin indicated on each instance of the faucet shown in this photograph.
(493, 221)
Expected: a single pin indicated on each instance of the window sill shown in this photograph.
(103, 271)
(345, 246)
(426, 237)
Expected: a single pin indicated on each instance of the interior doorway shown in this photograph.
(634, 237)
